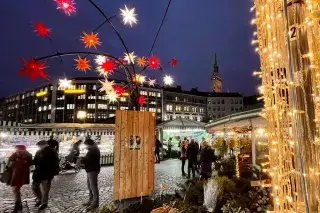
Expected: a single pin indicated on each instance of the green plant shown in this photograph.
(108, 208)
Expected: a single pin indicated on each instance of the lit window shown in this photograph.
(159, 110)
(49, 116)
(169, 107)
(39, 109)
(44, 108)
(159, 94)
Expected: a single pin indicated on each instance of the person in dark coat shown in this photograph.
(46, 164)
(207, 157)
(92, 166)
(192, 153)
(53, 144)
(19, 163)
(158, 146)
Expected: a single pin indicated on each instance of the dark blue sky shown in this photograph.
(192, 33)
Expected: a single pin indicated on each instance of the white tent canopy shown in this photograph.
(182, 123)
(250, 118)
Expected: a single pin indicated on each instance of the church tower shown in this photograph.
(216, 81)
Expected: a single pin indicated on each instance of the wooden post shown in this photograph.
(133, 154)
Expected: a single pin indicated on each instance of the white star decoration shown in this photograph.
(130, 58)
(152, 82)
(129, 17)
(168, 80)
(65, 83)
(100, 59)
(107, 86)
(142, 79)
(112, 96)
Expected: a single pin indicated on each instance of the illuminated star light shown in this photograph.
(112, 96)
(67, 6)
(129, 17)
(168, 80)
(152, 82)
(130, 58)
(65, 83)
(100, 59)
(107, 86)
(90, 40)
(140, 78)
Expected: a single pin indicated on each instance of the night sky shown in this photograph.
(192, 33)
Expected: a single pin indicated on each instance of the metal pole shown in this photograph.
(294, 124)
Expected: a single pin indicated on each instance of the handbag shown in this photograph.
(6, 176)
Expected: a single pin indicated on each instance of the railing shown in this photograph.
(105, 160)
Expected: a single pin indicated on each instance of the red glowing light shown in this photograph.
(141, 100)
(174, 62)
(107, 66)
(154, 62)
(67, 6)
(41, 29)
(33, 69)
(118, 89)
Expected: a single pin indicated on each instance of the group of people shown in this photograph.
(200, 158)
(46, 167)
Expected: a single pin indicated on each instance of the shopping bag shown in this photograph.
(5, 177)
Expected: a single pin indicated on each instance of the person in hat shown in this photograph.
(92, 166)
(46, 164)
(19, 163)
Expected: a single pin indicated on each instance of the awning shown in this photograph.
(182, 123)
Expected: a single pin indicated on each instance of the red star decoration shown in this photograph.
(41, 29)
(118, 89)
(107, 66)
(33, 69)
(68, 6)
(173, 62)
(141, 100)
(154, 62)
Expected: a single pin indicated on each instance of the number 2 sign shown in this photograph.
(293, 33)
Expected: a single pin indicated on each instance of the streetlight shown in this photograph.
(82, 115)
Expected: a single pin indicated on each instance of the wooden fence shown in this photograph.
(133, 154)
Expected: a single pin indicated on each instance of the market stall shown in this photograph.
(66, 134)
(181, 128)
(243, 133)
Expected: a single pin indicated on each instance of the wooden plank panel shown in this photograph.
(128, 154)
(116, 179)
(140, 156)
(146, 144)
(151, 154)
(122, 153)
(134, 158)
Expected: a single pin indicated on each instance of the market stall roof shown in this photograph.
(244, 120)
(182, 123)
(69, 125)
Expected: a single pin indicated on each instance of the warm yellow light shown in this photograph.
(43, 93)
(81, 114)
(74, 91)
(125, 94)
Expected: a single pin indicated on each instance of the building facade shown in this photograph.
(51, 104)
(216, 80)
(223, 104)
(178, 103)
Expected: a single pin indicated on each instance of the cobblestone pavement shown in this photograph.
(69, 190)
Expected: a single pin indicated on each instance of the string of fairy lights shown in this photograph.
(288, 42)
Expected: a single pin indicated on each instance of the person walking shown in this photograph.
(207, 157)
(169, 147)
(158, 146)
(19, 163)
(46, 164)
(53, 144)
(183, 155)
(92, 166)
(74, 152)
(192, 153)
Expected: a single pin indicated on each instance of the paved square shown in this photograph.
(69, 190)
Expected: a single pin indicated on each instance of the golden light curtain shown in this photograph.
(288, 42)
